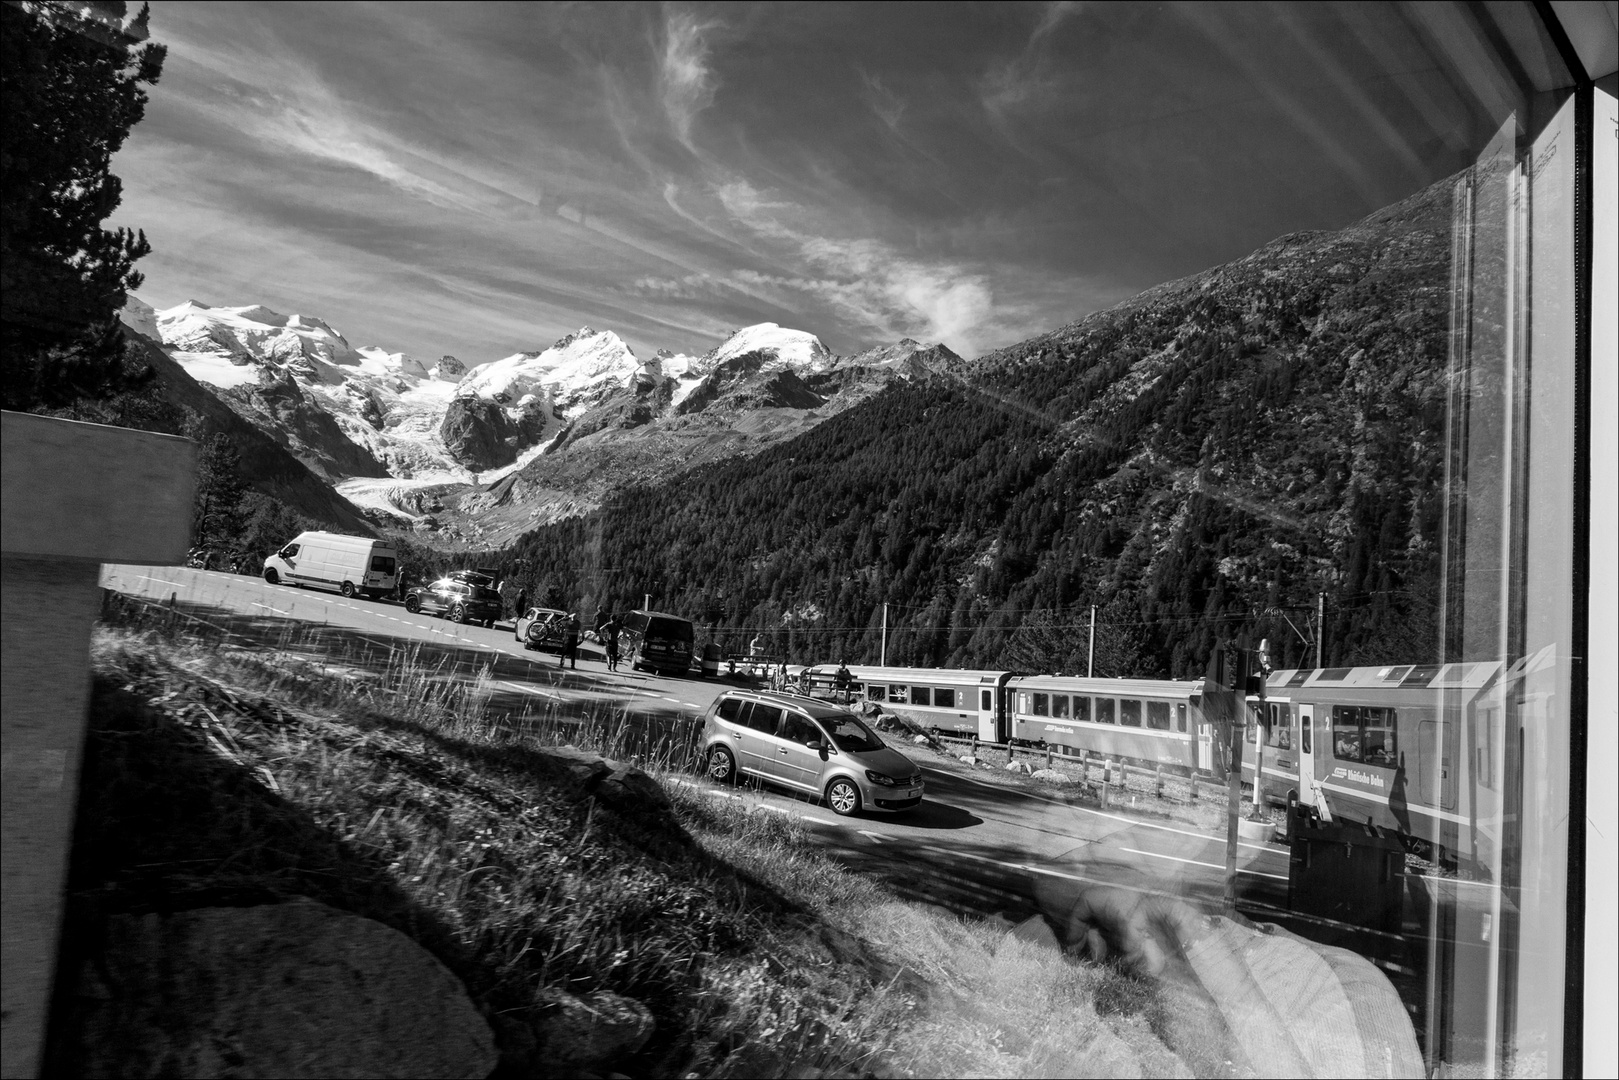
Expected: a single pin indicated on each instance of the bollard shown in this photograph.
(1104, 789)
(1048, 755)
(1194, 785)
(1160, 777)
(1011, 753)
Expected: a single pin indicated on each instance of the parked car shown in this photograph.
(347, 564)
(455, 600)
(658, 642)
(541, 628)
(809, 746)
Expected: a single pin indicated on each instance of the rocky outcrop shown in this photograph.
(580, 1033)
(293, 989)
(448, 369)
(281, 409)
(481, 434)
(477, 433)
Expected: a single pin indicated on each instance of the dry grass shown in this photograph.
(221, 774)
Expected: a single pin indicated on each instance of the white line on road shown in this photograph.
(875, 838)
(1098, 813)
(1199, 862)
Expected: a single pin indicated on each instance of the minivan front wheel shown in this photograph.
(843, 797)
(271, 577)
(721, 765)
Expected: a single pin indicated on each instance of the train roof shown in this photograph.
(1081, 684)
(907, 674)
(1466, 675)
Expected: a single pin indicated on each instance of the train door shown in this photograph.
(987, 727)
(1310, 792)
(1204, 737)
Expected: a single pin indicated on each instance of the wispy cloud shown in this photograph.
(869, 282)
(1025, 79)
(686, 81)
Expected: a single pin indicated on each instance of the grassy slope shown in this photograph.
(221, 775)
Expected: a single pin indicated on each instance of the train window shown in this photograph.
(1180, 716)
(920, 696)
(1104, 710)
(1082, 708)
(1378, 746)
(1042, 705)
(897, 694)
(1059, 706)
(1158, 715)
(1130, 712)
(985, 701)
(877, 692)
(1484, 727)
(1304, 735)
(944, 698)
(1346, 733)
(1023, 701)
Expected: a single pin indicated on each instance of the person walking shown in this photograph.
(609, 636)
(570, 642)
(602, 616)
(842, 680)
(522, 602)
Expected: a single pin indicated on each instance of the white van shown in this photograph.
(345, 564)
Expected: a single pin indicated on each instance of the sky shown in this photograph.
(481, 179)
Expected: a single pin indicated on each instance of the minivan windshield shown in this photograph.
(849, 734)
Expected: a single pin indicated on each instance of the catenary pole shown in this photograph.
(1320, 624)
(883, 659)
(1090, 661)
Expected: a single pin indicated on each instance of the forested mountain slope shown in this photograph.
(1212, 449)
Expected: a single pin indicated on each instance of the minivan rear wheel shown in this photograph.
(843, 797)
(413, 604)
(348, 589)
(721, 766)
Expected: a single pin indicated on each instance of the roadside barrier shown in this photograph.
(1114, 771)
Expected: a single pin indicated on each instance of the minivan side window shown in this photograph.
(762, 717)
(730, 710)
(798, 729)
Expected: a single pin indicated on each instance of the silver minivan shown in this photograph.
(808, 745)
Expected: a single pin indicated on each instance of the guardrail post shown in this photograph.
(76, 496)
(1160, 777)
(1194, 785)
(1048, 755)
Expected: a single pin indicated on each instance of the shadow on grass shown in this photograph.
(165, 825)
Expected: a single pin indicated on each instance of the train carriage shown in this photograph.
(1409, 748)
(960, 702)
(1156, 721)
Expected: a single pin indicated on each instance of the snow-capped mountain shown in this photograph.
(780, 346)
(413, 439)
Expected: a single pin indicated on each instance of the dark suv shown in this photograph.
(461, 601)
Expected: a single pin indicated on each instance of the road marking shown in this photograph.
(875, 838)
(1088, 810)
(1199, 862)
(267, 607)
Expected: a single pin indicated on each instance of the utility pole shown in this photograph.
(883, 661)
(646, 602)
(1320, 624)
(1090, 663)
(1261, 661)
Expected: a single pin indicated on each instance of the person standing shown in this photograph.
(522, 602)
(570, 642)
(600, 620)
(609, 636)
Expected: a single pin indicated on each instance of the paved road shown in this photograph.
(972, 846)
